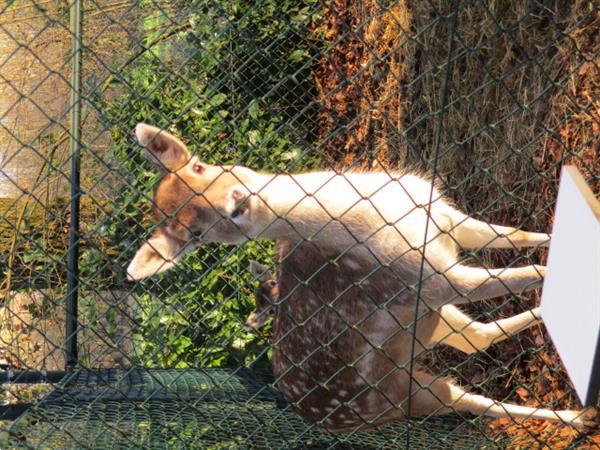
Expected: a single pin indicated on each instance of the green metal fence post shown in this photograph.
(73, 255)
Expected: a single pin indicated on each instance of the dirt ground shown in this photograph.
(33, 330)
(32, 335)
(522, 103)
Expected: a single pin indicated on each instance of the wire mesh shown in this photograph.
(198, 409)
(483, 101)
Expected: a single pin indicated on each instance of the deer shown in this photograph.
(369, 277)
(266, 296)
(450, 325)
(445, 326)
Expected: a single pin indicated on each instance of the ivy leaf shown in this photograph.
(297, 56)
(217, 100)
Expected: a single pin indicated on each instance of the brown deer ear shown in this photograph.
(260, 272)
(157, 254)
(163, 149)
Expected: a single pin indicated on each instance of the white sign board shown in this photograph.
(571, 294)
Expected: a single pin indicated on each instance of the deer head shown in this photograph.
(266, 296)
(194, 202)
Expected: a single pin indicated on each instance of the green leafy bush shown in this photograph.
(234, 80)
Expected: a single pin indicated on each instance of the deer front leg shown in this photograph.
(458, 330)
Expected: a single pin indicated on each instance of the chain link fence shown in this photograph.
(485, 100)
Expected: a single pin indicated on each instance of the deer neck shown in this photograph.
(297, 206)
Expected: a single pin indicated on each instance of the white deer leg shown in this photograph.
(473, 233)
(435, 395)
(462, 284)
(458, 330)
(480, 405)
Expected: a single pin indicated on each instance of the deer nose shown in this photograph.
(252, 322)
(239, 203)
(238, 195)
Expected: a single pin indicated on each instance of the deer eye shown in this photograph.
(198, 168)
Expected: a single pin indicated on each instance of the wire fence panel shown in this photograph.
(368, 303)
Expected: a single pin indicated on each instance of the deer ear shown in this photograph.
(163, 149)
(157, 254)
(260, 272)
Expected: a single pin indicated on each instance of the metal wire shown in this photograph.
(444, 101)
(489, 99)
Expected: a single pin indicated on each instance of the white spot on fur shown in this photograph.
(352, 264)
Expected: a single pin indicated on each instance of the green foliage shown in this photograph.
(235, 80)
(33, 241)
